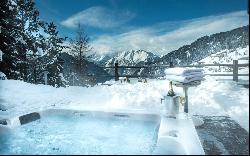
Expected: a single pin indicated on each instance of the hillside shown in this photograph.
(92, 73)
(228, 45)
(208, 45)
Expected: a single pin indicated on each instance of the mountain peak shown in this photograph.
(133, 57)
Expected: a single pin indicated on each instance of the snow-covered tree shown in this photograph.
(25, 39)
(53, 61)
(28, 26)
(80, 46)
(20, 26)
(8, 27)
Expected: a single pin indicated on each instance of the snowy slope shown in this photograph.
(227, 57)
(212, 98)
(100, 60)
(209, 45)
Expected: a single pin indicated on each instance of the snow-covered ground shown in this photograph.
(213, 97)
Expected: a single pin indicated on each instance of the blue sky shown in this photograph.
(158, 26)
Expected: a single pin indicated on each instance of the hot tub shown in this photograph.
(58, 131)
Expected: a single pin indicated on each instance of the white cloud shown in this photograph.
(99, 17)
(163, 38)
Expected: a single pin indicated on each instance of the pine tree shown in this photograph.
(8, 27)
(54, 65)
(27, 36)
(21, 42)
(80, 46)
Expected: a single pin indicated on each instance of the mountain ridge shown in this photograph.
(185, 55)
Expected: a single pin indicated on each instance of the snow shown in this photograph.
(3, 76)
(221, 97)
(40, 51)
(132, 57)
(227, 56)
(183, 71)
(213, 98)
(1, 55)
(224, 94)
(20, 39)
(11, 8)
(188, 54)
(12, 2)
(62, 77)
(178, 61)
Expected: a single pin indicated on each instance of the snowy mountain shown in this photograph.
(227, 45)
(208, 45)
(126, 58)
(99, 59)
(131, 58)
